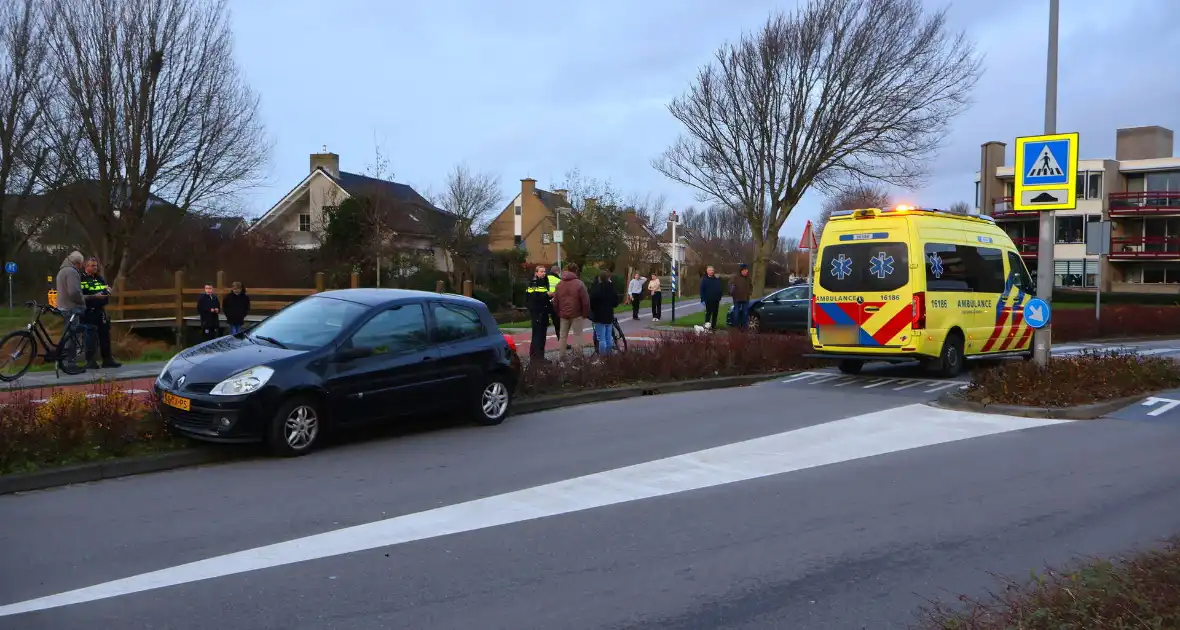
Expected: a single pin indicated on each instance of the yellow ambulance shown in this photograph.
(905, 283)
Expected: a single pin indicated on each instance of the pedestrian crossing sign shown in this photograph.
(1046, 172)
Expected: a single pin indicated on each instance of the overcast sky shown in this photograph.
(528, 88)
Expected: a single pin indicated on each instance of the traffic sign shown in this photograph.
(1046, 172)
(10, 267)
(808, 239)
(1037, 313)
(558, 236)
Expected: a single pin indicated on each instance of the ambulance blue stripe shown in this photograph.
(837, 314)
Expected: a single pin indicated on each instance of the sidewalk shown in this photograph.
(49, 380)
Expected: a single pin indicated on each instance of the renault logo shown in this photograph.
(180, 382)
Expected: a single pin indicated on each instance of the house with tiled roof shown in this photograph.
(412, 222)
(528, 222)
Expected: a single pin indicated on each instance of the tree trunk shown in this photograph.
(762, 254)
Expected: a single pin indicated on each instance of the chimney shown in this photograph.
(1143, 143)
(990, 186)
(528, 187)
(330, 162)
(563, 193)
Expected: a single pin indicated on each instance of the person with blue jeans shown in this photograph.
(236, 308)
(603, 300)
(711, 297)
(740, 289)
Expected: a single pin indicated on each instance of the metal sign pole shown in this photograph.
(10, 293)
(1098, 294)
(1043, 338)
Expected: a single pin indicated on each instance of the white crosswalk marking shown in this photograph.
(880, 382)
(847, 382)
(943, 386)
(909, 383)
(825, 378)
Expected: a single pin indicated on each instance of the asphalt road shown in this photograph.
(767, 506)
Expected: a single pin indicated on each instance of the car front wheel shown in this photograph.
(295, 428)
(492, 401)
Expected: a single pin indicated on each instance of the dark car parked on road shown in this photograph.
(342, 357)
(783, 310)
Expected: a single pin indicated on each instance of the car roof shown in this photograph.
(377, 297)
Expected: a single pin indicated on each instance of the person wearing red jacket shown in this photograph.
(571, 301)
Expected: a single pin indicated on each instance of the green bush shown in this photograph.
(487, 297)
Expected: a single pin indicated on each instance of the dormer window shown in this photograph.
(305, 222)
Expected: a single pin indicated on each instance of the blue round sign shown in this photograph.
(10, 267)
(1037, 313)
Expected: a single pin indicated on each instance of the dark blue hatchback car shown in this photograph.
(342, 357)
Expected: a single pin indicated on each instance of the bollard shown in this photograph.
(467, 288)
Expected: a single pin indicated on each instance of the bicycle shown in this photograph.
(616, 334)
(69, 352)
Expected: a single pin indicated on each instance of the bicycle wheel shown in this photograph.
(619, 337)
(71, 353)
(17, 351)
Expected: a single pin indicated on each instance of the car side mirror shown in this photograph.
(352, 354)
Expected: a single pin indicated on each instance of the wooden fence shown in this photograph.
(176, 307)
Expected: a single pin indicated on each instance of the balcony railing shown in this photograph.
(1144, 247)
(1144, 203)
(1026, 245)
(1004, 211)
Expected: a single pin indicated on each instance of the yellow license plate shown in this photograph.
(839, 335)
(182, 404)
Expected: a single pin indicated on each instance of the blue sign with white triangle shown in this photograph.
(1037, 313)
(1046, 162)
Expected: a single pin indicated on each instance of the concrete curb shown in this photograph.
(1077, 412)
(97, 471)
(545, 403)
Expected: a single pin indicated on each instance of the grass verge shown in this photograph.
(1090, 377)
(1140, 590)
(698, 318)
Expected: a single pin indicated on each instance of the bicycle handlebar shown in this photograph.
(44, 308)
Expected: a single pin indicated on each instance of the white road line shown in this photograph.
(880, 382)
(943, 386)
(801, 376)
(909, 383)
(825, 378)
(877, 433)
(848, 382)
(1166, 405)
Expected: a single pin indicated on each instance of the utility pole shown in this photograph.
(1043, 338)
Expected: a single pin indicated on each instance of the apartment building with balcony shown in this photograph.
(1138, 191)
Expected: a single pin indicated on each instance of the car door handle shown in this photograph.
(872, 309)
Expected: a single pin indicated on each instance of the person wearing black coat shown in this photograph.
(711, 295)
(237, 307)
(603, 300)
(97, 295)
(540, 311)
(209, 308)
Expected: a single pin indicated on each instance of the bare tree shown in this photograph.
(23, 83)
(859, 196)
(595, 224)
(838, 91)
(960, 207)
(471, 199)
(150, 107)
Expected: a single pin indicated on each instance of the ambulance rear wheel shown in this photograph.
(950, 361)
(851, 366)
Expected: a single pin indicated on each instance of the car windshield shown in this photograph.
(308, 323)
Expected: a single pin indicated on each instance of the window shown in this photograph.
(976, 194)
(864, 267)
(964, 268)
(393, 331)
(1020, 277)
(1089, 185)
(1071, 229)
(516, 210)
(309, 323)
(305, 222)
(1075, 273)
(453, 322)
(1165, 274)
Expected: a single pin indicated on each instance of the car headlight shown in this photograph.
(166, 366)
(243, 382)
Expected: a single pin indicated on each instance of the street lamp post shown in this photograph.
(1043, 337)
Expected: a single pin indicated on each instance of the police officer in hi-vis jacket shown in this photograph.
(97, 295)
